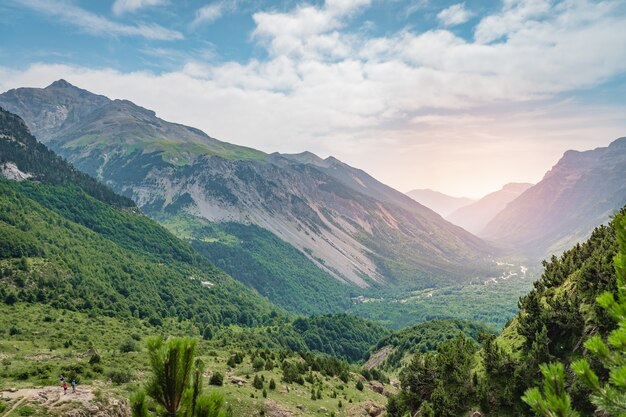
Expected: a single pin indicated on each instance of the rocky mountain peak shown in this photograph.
(60, 84)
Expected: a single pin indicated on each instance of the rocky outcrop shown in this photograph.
(10, 171)
(378, 357)
(377, 387)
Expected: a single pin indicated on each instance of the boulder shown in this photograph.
(373, 410)
(237, 381)
(377, 387)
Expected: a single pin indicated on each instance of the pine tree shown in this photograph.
(426, 410)
(173, 385)
(257, 382)
(610, 397)
(555, 402)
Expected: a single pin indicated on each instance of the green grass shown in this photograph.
(173, 150)
(38, 352)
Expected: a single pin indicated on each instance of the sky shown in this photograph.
(460, 97)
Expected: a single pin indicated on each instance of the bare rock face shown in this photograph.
(378, 357)
(377, 387)
(10, 171)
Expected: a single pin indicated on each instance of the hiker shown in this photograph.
(64, 388)
(73, 386)
(62, 380)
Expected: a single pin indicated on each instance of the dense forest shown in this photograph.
(21, 148)
(245, 251)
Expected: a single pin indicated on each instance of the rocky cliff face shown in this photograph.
(582, 191)
(346, 222)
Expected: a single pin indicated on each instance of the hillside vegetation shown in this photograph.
(262, 261)
(556, 319)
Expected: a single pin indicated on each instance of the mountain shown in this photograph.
(579, 193)
(341, 221)
(439, 202)
(70, 242)
(474, 217)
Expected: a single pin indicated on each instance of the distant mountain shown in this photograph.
(474, 217)
(582, 191)
(70, 242)
(439, 202)
(341, 220)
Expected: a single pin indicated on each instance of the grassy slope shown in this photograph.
(39, 352)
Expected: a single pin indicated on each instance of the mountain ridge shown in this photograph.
(474, 217)
(439, 202)
(349, 225)
(580, 192)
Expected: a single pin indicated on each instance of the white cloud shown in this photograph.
(213, 11)
(515, 16)
(130, 6)
(99, 25)
(454, 15)
(308, 30)
(393, 104)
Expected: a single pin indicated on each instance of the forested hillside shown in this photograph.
(266, 263)
(63, 247)
(557, 317)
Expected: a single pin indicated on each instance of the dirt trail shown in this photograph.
(49, 396)
(378, 357)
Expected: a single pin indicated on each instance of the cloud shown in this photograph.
(130, 6)
(403, 105)
(516, 15)
(308, 29)
(214, 11)
(99, 25)
(454, 15)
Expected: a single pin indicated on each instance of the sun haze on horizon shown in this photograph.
(459, 97)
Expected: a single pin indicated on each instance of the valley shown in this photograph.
(309, 287)
(312, 208)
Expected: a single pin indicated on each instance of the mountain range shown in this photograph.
(582, 191)
(439, 202)
(345, 225)
(475, 216)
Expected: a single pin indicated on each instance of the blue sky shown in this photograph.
(457, 96)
